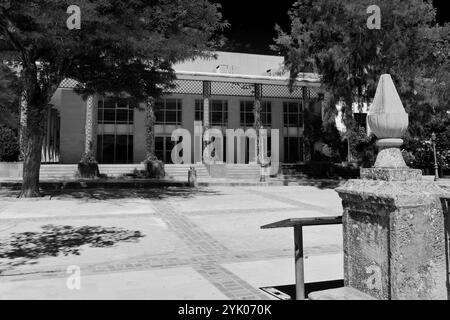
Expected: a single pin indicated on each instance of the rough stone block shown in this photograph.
(394, 239)
(399, 174)
(344, 293)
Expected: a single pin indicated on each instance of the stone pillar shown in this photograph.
(206, 106)
(206, 103)
(23, 122)
(257, 115)
(307, 143)
(90, 134)
(47, 140)
(53, 135)
(393, 221)
(150, 120)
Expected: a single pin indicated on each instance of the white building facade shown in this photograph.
(220, 93)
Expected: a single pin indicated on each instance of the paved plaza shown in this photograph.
(163, 243)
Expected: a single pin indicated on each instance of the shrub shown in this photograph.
(9, 145)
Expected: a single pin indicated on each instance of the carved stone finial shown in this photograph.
(388, 120)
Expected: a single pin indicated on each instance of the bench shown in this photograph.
(298, 224)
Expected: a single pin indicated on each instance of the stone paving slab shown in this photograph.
(18, 209)
(178, 284)
(306, 197)
(243, 232)
(280, 272)
(228, 199)
(187, 247)
(157, 240)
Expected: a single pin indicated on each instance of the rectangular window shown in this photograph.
(266, 114)
(198, 110)
(293, 114)
(163, 148)
(218, 113)
(168, 112)
(248, 116)
(159, 148)
(115, 111)
(115, 148)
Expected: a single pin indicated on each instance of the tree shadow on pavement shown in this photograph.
(27, 247)
(150, 193)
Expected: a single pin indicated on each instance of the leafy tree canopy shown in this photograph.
(8, 97)
(331, 37)
(122, 46)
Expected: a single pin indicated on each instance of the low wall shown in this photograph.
(11, 169)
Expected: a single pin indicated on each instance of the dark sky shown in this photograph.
(253, 22)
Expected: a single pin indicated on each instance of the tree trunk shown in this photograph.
(32, 136)
(150, 130)
(32, 149)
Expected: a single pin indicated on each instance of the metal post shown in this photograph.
(299, 264)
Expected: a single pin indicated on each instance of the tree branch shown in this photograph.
(5, 23)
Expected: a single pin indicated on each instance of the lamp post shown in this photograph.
(436, 167)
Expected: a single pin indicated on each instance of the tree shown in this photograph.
(9, 144)
(123, 47)
(9, 98)
(331, 38)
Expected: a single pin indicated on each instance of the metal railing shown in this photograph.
(298, 224)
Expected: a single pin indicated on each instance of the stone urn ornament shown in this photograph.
(389, 121)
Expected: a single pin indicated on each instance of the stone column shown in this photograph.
(206, 103)
(23, 122)
(257, 116)
(53, 135)
(206, 106)
(90, 134)
(393, 221)
(47, 145)
(307, 143)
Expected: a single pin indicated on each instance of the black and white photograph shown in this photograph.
(226, 158)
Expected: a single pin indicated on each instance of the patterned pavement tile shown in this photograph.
(187, 234)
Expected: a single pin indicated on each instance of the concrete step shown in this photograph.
(235, 171)
(50, 171)
(180, 171)
(243, 172)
